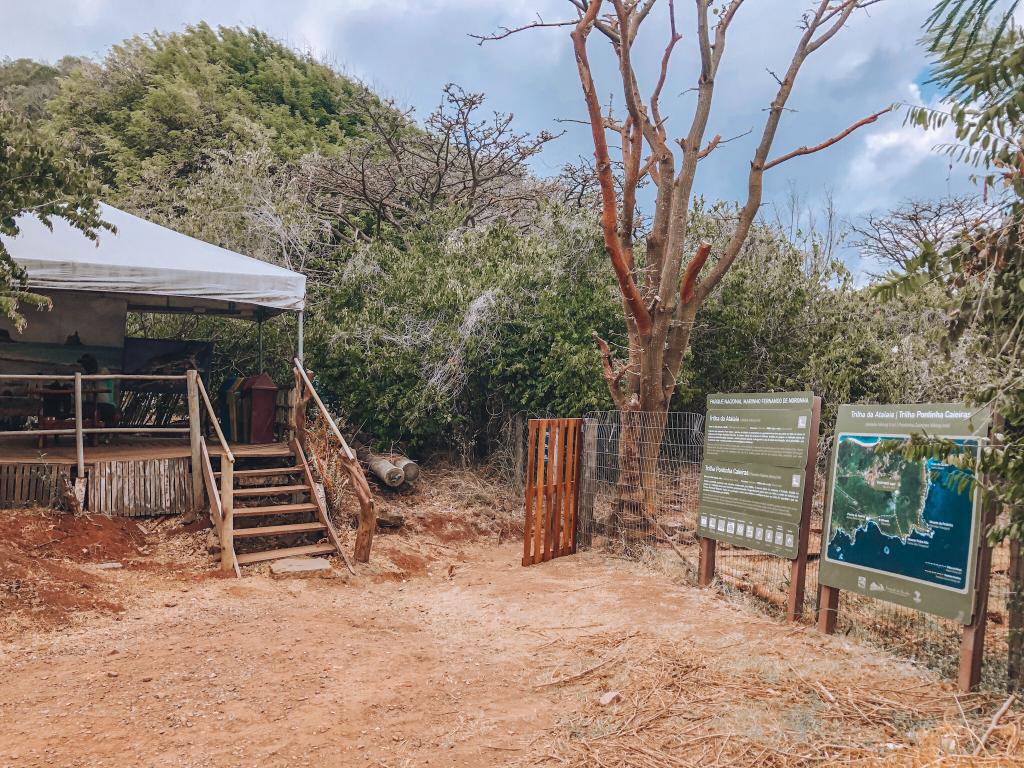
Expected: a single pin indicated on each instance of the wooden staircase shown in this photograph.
(274, 511)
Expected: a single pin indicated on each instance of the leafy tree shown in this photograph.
(982, 70)
(26, 85)
(40, 178)
(422, 341)
(166, 103)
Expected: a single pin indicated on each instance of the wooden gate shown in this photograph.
(552, 489)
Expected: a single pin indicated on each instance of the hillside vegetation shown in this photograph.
(450, 287)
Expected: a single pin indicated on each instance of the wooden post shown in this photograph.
(79, 442)
(706, 563)
(195, 434)
(227, 502)
(585, 524)
(577, 472)
(798, 567)
(828, 609)
(972, 639)
(1015, 619)
(529, 499)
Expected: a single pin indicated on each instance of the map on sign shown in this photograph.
(901, 530)
(892, 515)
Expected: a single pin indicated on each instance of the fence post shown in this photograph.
(585, 523)
(79, 440)
(706, 563)
(828, 609)
(1015, 618)
(798, 567)
(195, 435)
(972, 640)
(227, 501)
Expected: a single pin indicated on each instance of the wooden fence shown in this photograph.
(552, 488)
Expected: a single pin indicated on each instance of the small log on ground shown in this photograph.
(384, 470)
(409, 468)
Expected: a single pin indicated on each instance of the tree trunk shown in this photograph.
(637, 499)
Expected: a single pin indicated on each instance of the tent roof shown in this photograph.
(155, 268)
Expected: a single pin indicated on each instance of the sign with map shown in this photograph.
(752, 484)
(899, 530)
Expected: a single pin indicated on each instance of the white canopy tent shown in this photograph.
(154, 269)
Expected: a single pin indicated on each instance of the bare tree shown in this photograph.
(401, 170)
(896, 237)
(663, 291)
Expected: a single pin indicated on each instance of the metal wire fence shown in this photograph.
(639, 493)
(639, 483)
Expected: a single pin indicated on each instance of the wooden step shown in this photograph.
(260, 451)
(269, 472)
(278, 530)
(270, 490)
(274, 554)
(280, 509)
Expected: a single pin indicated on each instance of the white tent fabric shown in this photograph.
(154, 266)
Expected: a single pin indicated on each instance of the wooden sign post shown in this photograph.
(798, 566)
(760, 447)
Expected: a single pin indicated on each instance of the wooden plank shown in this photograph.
(281, 509)
(268, 472)
(195, 433)
(275, 554)
(531, 458)
(227, 502)
(271, 490)
(565, 464)
(569, 521)
(538, 520)
(548, 454)
(79, 442)
(279, 530)
(551, 489)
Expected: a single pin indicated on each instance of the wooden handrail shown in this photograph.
(89, 377)
(349, 453)
(213, 420)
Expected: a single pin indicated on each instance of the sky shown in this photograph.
(409, 49)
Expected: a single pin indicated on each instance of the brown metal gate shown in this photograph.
(552, 489)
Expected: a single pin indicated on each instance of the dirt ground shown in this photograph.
(445, 652)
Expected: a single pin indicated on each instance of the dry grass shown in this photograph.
(681, 706)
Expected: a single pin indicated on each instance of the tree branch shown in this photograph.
(609, 203)
(687, 289)
(509, 31)
(829, 142)
(611, 376)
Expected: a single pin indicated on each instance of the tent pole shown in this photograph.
(259, 334)
(300, 352)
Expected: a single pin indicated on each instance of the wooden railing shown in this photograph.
(80, 430)
(222, 505)
(346, 457)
